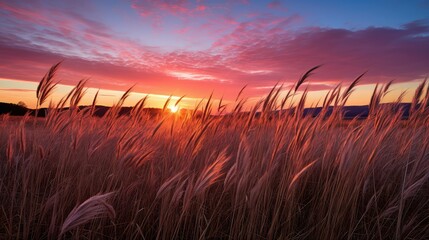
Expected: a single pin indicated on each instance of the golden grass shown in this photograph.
(277, 175)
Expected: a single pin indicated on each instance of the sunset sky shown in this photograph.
(194, 48)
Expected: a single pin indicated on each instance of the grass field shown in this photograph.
(278, 175)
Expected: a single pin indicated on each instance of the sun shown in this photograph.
(174, 108)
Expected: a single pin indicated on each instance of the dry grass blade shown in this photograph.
(303, 170)
(349, 90)
(168, 185)
(157, 127)
(301, 103)
(94, 102)
(417, 95)
(78, 93)
(400, 97)
(46, 85)
(125, 96)
(221, 107)
(252, 115)
(10, 149)
(239, 106)
(195, 111)
(387, 87)
(211, 173)
(425, 103)
(265, 106)
(139, 106)
(375, 100)
(207, 109)
(93, 208)
(64, 99)
(284, 100)
(178, 100)
(240, 92)
(305, 76)
(166, 103)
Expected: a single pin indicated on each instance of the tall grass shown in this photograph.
(273, 175)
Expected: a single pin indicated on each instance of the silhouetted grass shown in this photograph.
(281, 175)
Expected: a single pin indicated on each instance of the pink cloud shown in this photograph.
(24, 14)
(258, 52)
(387, 53)
(274, 4)
(151, 7)
(185, 10)
(201, 7)
(72, 35)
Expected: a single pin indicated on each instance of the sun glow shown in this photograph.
(174, 108)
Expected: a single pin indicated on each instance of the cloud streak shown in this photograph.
(259, 51)
(17, 90)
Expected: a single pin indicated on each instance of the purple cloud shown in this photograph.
(261, 51)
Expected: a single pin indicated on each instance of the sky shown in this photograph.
(194, 48)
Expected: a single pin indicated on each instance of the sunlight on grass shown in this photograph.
(270, 173)
(174, 108)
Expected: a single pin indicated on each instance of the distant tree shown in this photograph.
(22, 104)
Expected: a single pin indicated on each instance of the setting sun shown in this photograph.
(174, 108)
